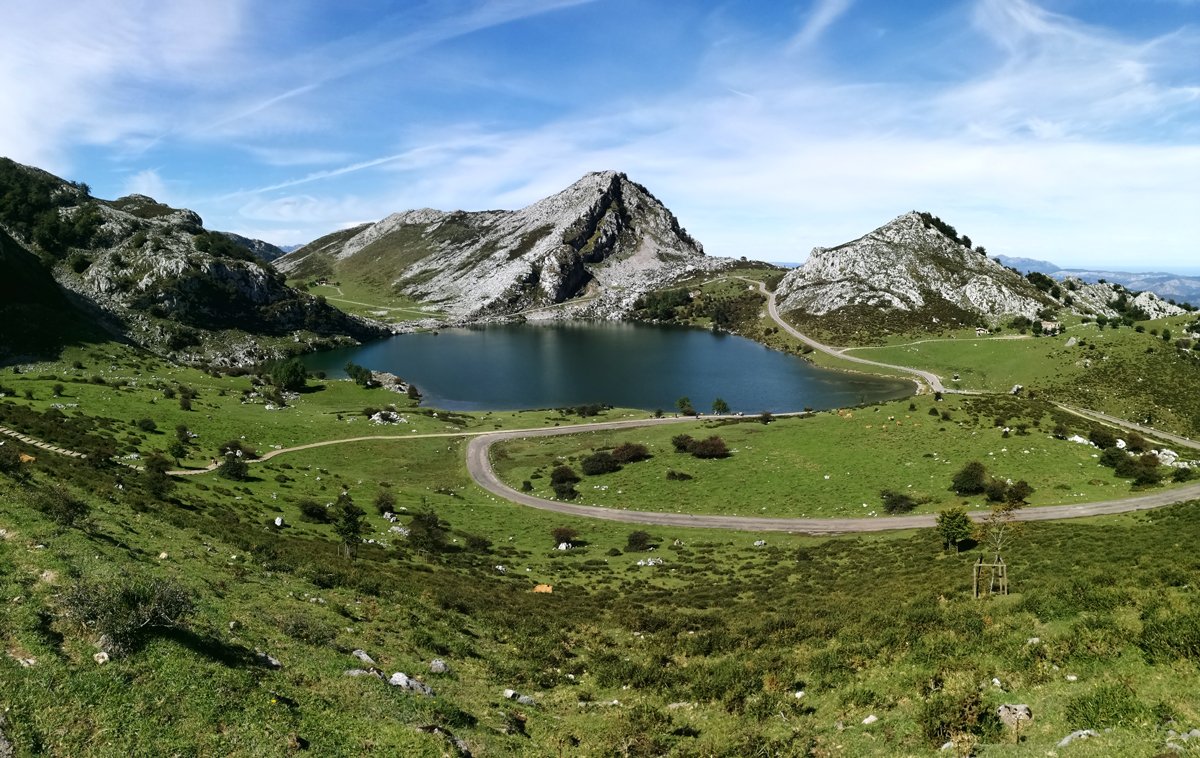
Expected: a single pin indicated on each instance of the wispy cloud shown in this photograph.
(820, 18)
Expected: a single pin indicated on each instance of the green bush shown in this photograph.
(630, 452)
(303, 626)
(897, 502)
(311, 510)
(126, 608)
(601, 462)
(1109, 705)
(61, 505)
(945, 716)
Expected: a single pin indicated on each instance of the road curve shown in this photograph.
(479, 465)
(931, 379)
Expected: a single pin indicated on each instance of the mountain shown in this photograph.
(912, 273)
(1170, 286)
(601, 242)
(154, 275)
(264, 251)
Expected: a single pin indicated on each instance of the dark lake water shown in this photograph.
(511, 367)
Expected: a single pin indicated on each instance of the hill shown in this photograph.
(601, 242)
(153, 274)
(264, 251)
(1175, 287)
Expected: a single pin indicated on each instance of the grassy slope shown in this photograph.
(833, 464)
(723, 632)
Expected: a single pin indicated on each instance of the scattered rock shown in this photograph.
(1033, 641)
(510, 694)
(163, 556)
(363, 672)
(362, 656)
(403, 681)
(438, 666)
(565, 546)
(1012, 715)
(234, 626)
(948, 745)
(799, 694)
(995, 682)
(525, 700)
(1078, 734)
(101, 658)
(870, 719)
(1072, 678)
(459, 745)
(763, 543)
(268, 660)
(6, 748)
(279, 521)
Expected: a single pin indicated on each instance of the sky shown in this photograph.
(1065, 130)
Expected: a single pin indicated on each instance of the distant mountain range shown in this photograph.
(1175, 287)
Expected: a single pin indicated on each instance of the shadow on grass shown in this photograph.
(227, 654)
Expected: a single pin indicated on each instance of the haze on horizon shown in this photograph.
(1065, 130)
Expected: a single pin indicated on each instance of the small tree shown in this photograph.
(710, 447)
(684, 404)
(288, 375)
(954, 526)
(234, 467)
(720, 407)
(564, 534)
(385, 502)
(311, 510)
(177, 450)
(1019, 492)
(970, 480)
(412, 392)
(348, 523)
(427, 533)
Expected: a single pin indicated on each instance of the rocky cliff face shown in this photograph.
(155, 275)
(1113, 300)
(601, 242)
(264, 251)
(912, 266)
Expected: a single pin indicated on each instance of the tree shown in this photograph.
(234, 467)
(177, 450)
(954, 526)
(385, 502)
(1102, 437)
(970, 480)
(412, 392)
(288, 375)
(765, 417)
(684, 404)
(311, 510)
(348, 523)
(1000, 525)
(1166, 335)
(158, 483)
(638, 541)
(361, 376)
(564, 534)
(427, 533)
(720, 407)
(1019, 492)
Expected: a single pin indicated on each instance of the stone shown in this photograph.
(403, 681)
(947, 745)
(1013, 714)
(1072, 678)
(525, 700)
(870, 719)
(1078, 734)
(510, 694)
(1033, 641)
(101, 658)
(269, 660)
(279, 521)
(565, 546)
(438, 666)
(6, 747)
(362, 656)
(363, 672)
(799, 694)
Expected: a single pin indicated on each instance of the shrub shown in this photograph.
(710, 447)
(1019, 491)
(677, 476)
(630, 452)
(638, 541)
(563, 480)
(125, 608)
(10, 460)
(147, 425)
(897, 502)
(562, 534)
(301, 625)
(682, 442)
(477, 543)
(238, 448)
(234, 468)
(1102, 437)
(311, 510)
(970, 480)
(996, 490)
(1109, 705)
(945, 716)
(61, 505)
(601, 462)
(527, 486)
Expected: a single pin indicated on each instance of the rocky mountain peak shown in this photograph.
(915, 264)
(604, 237)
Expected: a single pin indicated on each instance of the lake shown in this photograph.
(518, 366)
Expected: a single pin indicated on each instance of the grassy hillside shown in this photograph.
(833, 464)
(701, 654)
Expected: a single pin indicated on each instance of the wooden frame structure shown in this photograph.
(997, 583)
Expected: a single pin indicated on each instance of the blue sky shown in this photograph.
(1067, 129)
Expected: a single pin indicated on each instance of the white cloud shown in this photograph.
(822, 16)
(149, 183)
